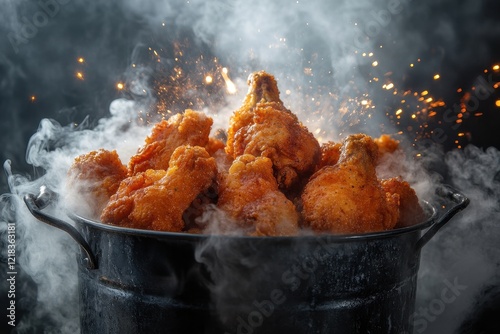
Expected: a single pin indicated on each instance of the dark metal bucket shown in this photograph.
(141, 281)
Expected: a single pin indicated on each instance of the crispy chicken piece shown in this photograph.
(264, 127)
(94, 177)
(347, 197)
(330, 151)
(386, 144)
(250, 197)
(214, 145)
(190, 128)
(330, 154)
(410, 211)
(157, 199)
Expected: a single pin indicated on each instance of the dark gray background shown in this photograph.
(458, 39)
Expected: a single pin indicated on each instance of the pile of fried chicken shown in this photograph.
(271, 177)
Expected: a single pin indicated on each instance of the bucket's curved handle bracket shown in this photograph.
(36, 203)
(458, 203)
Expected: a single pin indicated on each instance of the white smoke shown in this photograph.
(314, 48)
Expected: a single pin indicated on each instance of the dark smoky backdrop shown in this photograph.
(427, 71)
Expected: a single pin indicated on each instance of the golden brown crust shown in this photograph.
(250, 197)
(386, 144)
(190, 128)
(96, 176)
(347, 197)
(410, 211)
(156, 199)
(264, 127)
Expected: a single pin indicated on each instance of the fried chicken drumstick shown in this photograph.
(156, 199)
(264, 127)
(250, 197)
(347, 197)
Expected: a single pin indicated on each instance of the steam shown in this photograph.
(315, 51)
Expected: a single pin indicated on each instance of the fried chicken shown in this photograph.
(93, 178)
(330, 154)
(410, 211)
(347, 197)
(264, 127)
(386, 144)
(157, 199)
(190, 128)
(250, 197)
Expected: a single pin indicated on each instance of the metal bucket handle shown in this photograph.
(36, 203)
(459, 202)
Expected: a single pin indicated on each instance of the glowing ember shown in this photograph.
(33, 98)
(81, 60)
(388, 86)
(437, 76)
(120, 86)
(230, 86)
(497, 103)
(79, 75)
(496, 67)
(375, 63)
(209, 79)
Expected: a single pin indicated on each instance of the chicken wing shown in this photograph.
(250, 197)
(410, 211)
(264, 127)
(157, 199)
(190, 128)
(347, 197)
(93, 178)
(330, 154)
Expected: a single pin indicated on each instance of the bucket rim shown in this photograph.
(430, 210)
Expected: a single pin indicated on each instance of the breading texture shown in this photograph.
(94, 177)
(386, 144)
(347, 197)
(264, 127)
(190, 128)
(330, 154)
(250, 197)
(410, 211)
(157, 199)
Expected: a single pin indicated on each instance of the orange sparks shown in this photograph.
(437, 76)
(399, 112)
(230, 86)
(81, 60)
(497, 103)
(33, 98)
(388, 86)
(79, 75)
(375, 63)
(424, 93)
(120, 86)
(209, 79)
(496, 67)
